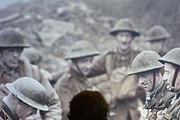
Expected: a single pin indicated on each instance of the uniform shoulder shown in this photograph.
(104, 55)
(63, 80)
(109, 52)
(65, 77)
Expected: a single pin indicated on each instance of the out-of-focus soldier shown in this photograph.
(12, 43)
(26, 96)
(157, 36)
(148, 69)
(120, 90)
(34, 56)
(171, 62)
(74, 81)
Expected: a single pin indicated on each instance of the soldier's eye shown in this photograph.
(19, 50)
(10, 50)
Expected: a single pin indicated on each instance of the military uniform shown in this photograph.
(69, 85)
(26, 69)
(122, 88)
(6, 113)
(173, 111)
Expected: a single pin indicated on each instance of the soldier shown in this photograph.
(26, 96)
(35, 57)
(72, 82)
(157, 36)
(148, 69)
(172, 67)
(115, 66)
(88, 105)
(12, 67)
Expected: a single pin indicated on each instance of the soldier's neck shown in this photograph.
(122, 52)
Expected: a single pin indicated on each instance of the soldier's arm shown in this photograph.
(53, 101)
(99, 66)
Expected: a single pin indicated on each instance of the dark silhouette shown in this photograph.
(88, 105)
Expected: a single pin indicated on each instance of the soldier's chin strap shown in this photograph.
(174, 78)
(77, 66)
(154, 80)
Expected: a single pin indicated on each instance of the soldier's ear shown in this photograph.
(157, 72)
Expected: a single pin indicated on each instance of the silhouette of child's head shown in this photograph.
(88, 105)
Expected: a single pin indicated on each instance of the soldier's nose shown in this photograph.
(123, 39)
(89, 65)
(15, 53)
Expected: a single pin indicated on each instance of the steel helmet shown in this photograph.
(173, 57)
(157, 33)
(30, 91)
(11, 37)
(81, 49)
(145, 61)
(125, 25)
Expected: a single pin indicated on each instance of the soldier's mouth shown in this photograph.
(124, 43)
(145, 86)
(14, 61)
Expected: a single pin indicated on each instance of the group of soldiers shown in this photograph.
(127, 78)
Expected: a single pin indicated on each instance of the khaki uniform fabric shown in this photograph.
(172, 112)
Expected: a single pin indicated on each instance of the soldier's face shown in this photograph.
(169, 71)
(23, 110)
(84, 64)
(146, 80)
(124, 40)
(10, 56)
(158, 45)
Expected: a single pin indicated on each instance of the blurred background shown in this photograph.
(51, 26)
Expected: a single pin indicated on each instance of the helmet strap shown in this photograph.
(154, 80)
(77, 66)
(175, 76)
